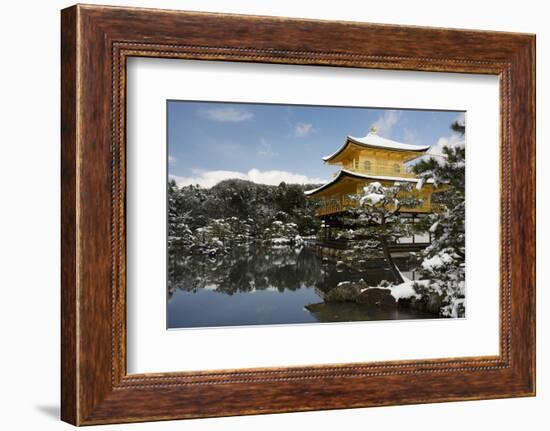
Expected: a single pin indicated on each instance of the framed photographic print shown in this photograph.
(292, 247)
(254, 210)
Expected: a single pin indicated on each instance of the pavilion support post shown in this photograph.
(414, 233)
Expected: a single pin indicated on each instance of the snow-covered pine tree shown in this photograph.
(442, 264)
(374, 224)
(180, 235)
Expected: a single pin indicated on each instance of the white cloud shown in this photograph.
(210, 178)
(303, 129)
(446, 141)
(453, 140)
(223, 115)
(384, 124)
(265, 149)
(171, 159)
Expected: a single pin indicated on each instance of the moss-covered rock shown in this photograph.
(343, 293)
(382, 297)
(378, 297)
(315, 308)
(427, 303)
(361, 294)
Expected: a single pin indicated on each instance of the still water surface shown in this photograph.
(263, 285)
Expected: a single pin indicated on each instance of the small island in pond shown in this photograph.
(382, 239)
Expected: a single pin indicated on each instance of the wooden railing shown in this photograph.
(381, 169)
(336, 207)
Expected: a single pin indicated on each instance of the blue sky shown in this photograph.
(212, 141)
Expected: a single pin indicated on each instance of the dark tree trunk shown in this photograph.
(391, 264)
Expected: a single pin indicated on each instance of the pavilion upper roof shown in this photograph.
(372, 140)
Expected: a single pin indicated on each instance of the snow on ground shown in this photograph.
(404, 290)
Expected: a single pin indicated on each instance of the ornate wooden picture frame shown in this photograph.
(96, 41)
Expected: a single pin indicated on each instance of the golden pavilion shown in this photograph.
(369, 159)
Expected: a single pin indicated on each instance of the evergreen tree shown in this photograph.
(442, 264)
(459, 127)
(374, 222)
(179, 232)
(236, 212)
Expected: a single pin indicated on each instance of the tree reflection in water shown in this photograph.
(251, 268)
(247, 269)
(259, 284)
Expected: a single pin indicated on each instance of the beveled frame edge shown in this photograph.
(96, 41)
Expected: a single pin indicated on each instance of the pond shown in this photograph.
(260, 285)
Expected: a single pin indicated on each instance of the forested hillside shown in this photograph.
(238, 211)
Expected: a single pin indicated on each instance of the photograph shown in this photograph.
(295, 214)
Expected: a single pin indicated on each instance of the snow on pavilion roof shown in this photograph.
(357, 175)
(372, 140)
